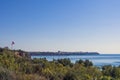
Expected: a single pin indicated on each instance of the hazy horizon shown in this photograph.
(65, 25)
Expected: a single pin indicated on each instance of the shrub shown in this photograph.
(6, 74)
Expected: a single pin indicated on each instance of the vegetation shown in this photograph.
(16, 65)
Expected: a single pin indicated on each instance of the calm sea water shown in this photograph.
(98, 60)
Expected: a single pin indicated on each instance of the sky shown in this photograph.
(65, 25)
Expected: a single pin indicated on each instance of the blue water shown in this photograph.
(98, 60)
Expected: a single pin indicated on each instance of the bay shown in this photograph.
(98, 60)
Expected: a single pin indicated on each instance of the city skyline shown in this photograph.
(65, 25)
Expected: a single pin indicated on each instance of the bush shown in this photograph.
(6, 74)
(70, 76)
(65, 62)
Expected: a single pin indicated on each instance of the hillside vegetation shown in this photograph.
(17, 65)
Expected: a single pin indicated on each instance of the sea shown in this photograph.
(97, 60)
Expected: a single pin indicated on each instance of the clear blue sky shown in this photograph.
(66, 25)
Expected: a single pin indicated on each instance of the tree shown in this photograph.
(88, 63)
(65, 62)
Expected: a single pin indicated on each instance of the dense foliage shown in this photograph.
(18, 67)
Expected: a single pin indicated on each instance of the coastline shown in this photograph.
(62, 53)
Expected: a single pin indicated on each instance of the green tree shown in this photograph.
(88, 63)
